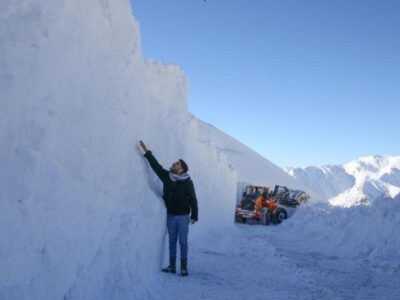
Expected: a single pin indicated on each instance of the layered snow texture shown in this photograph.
(361, 181)
(81, 215)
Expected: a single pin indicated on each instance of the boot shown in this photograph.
(184, 270)
(172, 266)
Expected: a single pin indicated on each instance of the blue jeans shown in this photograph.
(178, 227)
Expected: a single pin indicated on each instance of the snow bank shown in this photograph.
(81, 215)
(365, 232)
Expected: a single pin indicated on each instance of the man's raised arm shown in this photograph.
(157, 168)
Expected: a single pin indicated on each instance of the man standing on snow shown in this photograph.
(180, 200)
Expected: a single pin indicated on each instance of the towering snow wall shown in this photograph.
(81, 215)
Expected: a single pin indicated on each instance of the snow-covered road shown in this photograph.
(258, 262)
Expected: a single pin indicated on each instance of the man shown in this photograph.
(180, 199)
(260, 202)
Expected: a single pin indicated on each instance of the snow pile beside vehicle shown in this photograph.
(367, 232)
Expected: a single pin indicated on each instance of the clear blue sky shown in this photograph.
(301, 82)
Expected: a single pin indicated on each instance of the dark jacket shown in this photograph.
(179, 196)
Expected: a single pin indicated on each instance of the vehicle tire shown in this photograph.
(265, 218)
(280, 215)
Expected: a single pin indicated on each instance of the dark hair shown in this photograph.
(184, 165)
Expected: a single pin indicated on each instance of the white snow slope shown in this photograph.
(81, 215)
(250, 166)
(360, 181)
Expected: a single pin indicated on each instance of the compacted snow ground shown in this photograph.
(262, 262)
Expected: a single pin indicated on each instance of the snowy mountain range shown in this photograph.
(361, 181)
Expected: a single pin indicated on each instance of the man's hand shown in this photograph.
(192, 221)
(143, 146)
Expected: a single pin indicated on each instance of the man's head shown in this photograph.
(179, 167)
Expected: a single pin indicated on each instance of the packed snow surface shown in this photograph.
(81, 215)
(319, 253)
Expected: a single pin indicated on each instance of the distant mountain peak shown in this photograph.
(360, 181)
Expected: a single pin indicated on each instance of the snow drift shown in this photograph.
(360, 232)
